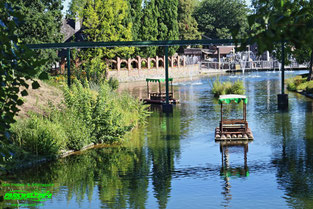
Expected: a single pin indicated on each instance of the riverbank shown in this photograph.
(78, 119)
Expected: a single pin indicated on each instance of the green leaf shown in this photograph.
(19, 102)
(35, 85)
(24, 93)
(44, 76)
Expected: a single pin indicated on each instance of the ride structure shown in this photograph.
(159, 97)
(233, 129)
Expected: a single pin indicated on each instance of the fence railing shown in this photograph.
(253, 65)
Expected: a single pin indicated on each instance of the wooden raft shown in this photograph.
(233, 129)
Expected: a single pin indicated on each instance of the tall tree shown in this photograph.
(168, 22)
(290, 21)
(136, 15)
(149, 27)
(41, 24)
(216, 18)
(188, 26)
(17, 64)
(104, 20)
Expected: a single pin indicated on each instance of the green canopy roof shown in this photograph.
(158, 79)
(228, 98)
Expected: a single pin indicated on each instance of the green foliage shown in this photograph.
(274, 22)
(296, 83)
(77, 131)
(39, 135)
(113, 83)
(218, 88)
(41, 24)
(17, 64)
(302, 87)
(238, 88)
(136, 15)
(188, 26)
(309, 88)
(221, 88)
(87, 117)
(216, 18)
(149, 28)
(167, 23)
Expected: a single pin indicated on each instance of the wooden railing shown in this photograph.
(255, 65)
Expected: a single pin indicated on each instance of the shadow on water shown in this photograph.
(173, 162)
(228, 171)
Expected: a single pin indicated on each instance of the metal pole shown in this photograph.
(166, 74)
(68, 67)
(282, 67)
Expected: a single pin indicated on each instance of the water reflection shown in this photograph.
(228, 171)
(174, 162)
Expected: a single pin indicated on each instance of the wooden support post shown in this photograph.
(148, 90)
(219, 58)
(160, 88)
(69, 67)
(166, 74)
(221, 125)
(172, 89)
(244, 111)
(167, 107)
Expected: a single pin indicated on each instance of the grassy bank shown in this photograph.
(84, 117)
(300, 84)
(227, 87)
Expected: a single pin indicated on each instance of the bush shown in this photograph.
(309, 87)
(88, 116)
(238, 88)
(291, 86)
(39, 135)
(77, 132)
(219, 88)
(113, 83)
(301, 86)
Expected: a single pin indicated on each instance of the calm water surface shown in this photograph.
(174, 161)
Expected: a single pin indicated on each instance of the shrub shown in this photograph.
(39, 135)
(301, 86)
(219, 88)
(291, 86)
(77, 132)
(113, 83)
(309, 87)
(100, 117)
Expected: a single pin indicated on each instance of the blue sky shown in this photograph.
(66, 5)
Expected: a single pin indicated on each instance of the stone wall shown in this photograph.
(142, 74)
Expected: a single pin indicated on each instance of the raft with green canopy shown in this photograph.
(233, 129)
(159, 97)
(232, 98)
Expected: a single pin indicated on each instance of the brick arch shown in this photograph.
(160, 62)
(151, 60)
(131, 61)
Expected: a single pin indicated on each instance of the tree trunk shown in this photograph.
(310, 76)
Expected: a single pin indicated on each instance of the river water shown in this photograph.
(174, 162)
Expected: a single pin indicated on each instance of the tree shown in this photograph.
(167, 23)
(17, 65)
(104, 20)
(41, 24)
(188, 26)
(149, 27)
(136, 16)
(216, 18)
(279, 21)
